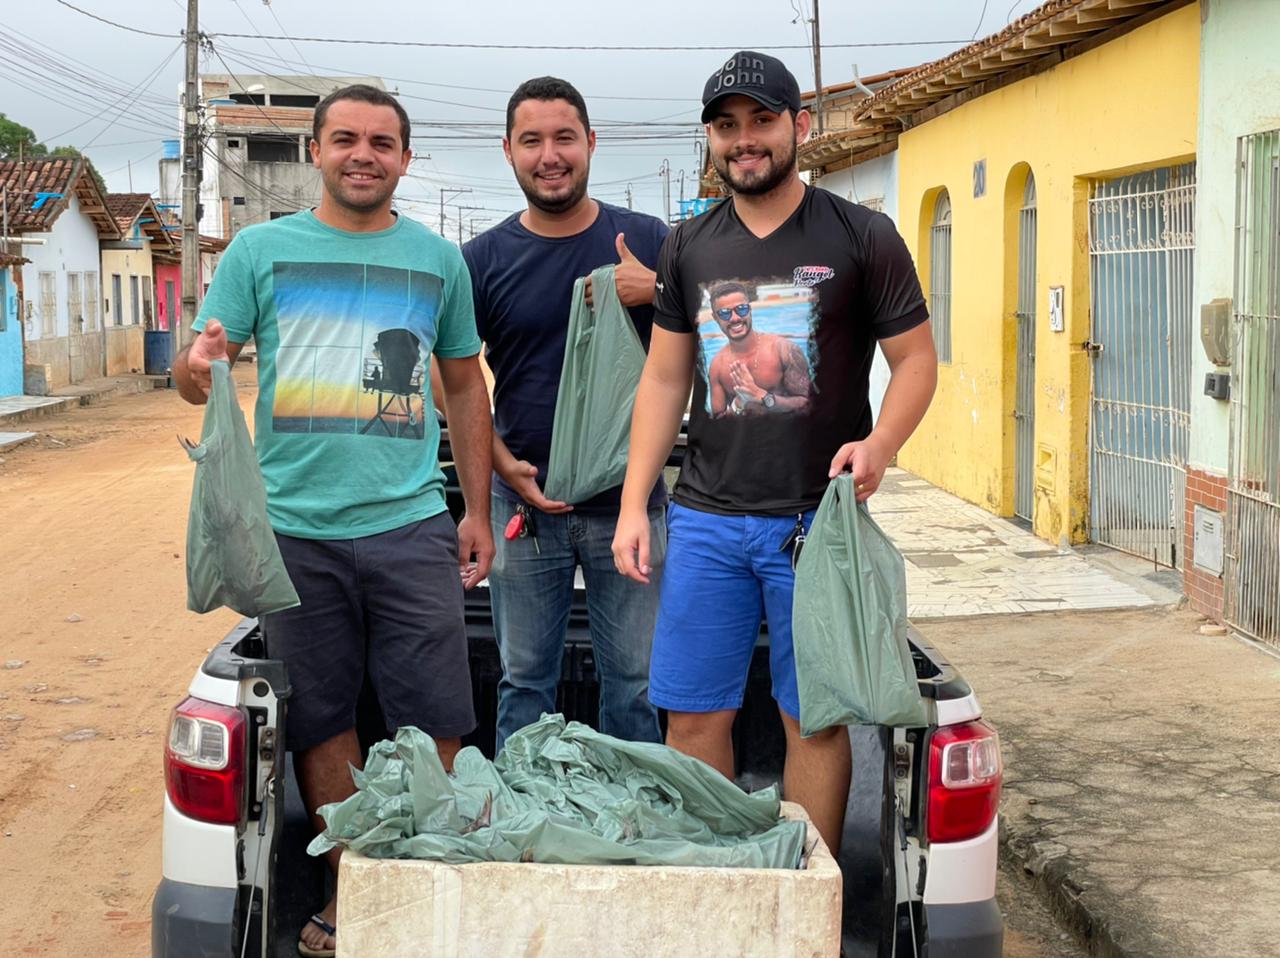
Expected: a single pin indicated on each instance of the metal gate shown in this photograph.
(1141, 244)
(1024, 404)
(1253, 491)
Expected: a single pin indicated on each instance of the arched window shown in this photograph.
(940, 276)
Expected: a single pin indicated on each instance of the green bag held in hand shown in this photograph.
(849, 622)
(232, 555)
(603, 358)
(559, 793)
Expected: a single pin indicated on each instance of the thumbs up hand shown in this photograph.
(634, 280)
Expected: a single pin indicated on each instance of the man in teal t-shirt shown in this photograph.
(347, 304)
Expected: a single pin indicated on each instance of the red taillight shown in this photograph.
(204, 761)
(964, 781)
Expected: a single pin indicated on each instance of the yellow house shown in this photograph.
(1046, 190)
(128, 279)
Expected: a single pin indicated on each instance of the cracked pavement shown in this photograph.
(1142, 774)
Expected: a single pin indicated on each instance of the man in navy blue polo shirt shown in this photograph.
(523, 271)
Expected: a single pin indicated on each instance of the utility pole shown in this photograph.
(817, 69)
(460, 209)
(664, 171)
(190, 176)
(628, 196)
(443, 191)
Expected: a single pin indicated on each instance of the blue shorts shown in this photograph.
(723, 574)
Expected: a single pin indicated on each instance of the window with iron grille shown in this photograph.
(49, 304)
(1253, 492)
(940, 276)
(75, 311)
(90, 301)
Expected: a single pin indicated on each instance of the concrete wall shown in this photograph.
(1125, 106)
(875, 179)
(869, 182)
(168, 310)
(264, 187)
(1239, 95)
(10, 337)
(70, 247)
(126, 263)
(125, 350)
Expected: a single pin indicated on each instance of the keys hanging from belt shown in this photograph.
(795, 541)
(520, 526)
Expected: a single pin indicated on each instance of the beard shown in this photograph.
(762, 181)
(554, 204)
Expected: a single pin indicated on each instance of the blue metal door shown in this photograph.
(1141, 244)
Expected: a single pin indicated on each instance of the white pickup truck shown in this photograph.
(919, 844)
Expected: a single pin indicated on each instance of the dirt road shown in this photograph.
(92, 604)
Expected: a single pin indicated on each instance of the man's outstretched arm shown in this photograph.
(191, 365)
(661, 399)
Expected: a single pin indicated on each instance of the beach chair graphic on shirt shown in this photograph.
(394, 371)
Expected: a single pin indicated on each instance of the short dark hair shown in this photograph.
(726, 289)
(547, 88)
(362, 93)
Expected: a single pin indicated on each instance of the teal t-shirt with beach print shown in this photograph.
(345, 325)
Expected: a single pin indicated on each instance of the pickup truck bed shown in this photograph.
(867, 859)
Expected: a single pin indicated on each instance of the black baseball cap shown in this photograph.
(764, 78)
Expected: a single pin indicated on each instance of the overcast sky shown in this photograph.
(125, 101)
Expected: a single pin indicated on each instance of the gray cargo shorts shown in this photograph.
(390, 603)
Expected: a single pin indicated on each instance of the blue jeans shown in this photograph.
(532, 591)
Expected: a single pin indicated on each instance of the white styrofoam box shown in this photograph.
(401, 908)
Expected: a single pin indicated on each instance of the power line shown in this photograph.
(982, 16)
(272, 10)
(447, 86)
(143, 84)
(121, 26)
(603, 48)
(442, 45)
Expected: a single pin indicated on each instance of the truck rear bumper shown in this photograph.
(971, 929)
(192, 921)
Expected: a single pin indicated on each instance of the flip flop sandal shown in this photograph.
(306, 950)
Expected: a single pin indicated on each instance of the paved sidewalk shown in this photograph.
(16, 409)
(1142, 775)
(961, 560)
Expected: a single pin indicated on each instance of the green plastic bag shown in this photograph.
(558, 793)
(849, 622)
(603, 358)
(232, 555)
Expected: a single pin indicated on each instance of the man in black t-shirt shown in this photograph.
(770, 306)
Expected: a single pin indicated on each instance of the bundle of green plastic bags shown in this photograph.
(557, 793)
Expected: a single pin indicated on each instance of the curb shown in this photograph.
(125, 387)
(1057, 877)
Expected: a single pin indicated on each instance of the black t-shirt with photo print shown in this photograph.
(786, 329)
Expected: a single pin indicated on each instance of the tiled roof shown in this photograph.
(126, 207)
(11, 259)
(37, 191)
(1047, 33)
